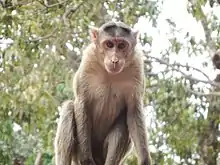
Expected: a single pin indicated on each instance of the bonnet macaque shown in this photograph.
(99, 126)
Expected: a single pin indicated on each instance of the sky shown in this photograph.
(185, 23)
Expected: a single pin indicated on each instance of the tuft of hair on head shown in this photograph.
(124, 26)
(94, 31)
(107, 25)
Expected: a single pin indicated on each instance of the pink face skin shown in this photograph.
(116, 51)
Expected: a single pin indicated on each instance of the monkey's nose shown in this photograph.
(115, 60)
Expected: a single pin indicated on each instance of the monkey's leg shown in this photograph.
(64, 140)
(117, 144)
(138, 132)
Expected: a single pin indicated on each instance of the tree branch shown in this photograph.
(44, 37)
(202, 94)
(38, 160)
(70, 11)
(56, 4)
(189, 77)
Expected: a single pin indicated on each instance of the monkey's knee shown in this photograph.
(116, 145)
(120, 134)
(67, 108)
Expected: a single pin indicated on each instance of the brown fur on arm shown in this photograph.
(83, 129)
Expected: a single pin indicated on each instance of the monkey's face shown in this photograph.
(116, 42)
(115, 54)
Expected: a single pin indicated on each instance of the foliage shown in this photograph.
(44, 42)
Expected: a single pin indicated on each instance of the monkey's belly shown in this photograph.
(107, 101)
(104, 117)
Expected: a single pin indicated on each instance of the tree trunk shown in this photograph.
(209, 144)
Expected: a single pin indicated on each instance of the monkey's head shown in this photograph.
(115, 42)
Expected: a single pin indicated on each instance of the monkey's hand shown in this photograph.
(87, 162)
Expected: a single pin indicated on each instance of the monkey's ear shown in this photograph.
(94, 33)
(136, 34)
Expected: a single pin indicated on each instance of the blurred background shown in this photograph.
(40, 50)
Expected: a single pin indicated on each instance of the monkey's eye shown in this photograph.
(109, 44)
(121, 45)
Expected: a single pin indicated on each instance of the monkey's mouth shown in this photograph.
(114, 69)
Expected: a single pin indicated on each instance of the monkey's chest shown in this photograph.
(107, 103)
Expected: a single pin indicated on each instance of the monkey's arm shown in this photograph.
(136, 127)
(82, 126)
(64, 140)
